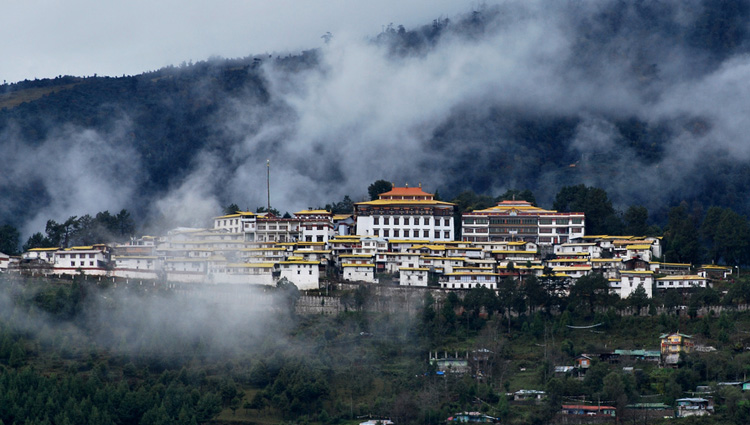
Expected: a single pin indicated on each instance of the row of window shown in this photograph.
(80, 264)
(407, 221)
(413, 233)
(513, 230)
(77, 255)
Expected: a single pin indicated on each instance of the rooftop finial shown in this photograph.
(407, 185)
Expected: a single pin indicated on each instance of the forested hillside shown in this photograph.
(642, 99)
(98, 353)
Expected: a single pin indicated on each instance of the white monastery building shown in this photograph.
(521, 221)
(405, 213)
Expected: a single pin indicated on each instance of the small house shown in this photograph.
(694, 407)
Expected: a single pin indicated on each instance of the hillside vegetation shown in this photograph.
(73, 350)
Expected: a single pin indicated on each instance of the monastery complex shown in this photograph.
(405, 237)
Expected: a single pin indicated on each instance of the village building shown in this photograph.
(92, 260)
(43, 254)
(405, 213)
(242, 273)
(275, 229)
(4, 261)
(186, 269)
(670, 269)
(694, 406)
(343, 224)
(681, 282)
(711, 271)
(674, 344)
(588, 411)
(574, 249)
(469, 280)
(304, 274)
(316, 225)
(239, 222)
(416, 276)
(136, 266)
(359, 272)
(519, 220)
(630, 280)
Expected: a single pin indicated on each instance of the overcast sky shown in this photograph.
(46, 38)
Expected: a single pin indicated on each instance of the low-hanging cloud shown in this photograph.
(633, 98)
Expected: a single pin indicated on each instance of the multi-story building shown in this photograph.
(274, 229)
(681, 282)
(90, 260)
(519, 220)
(674, 344)
(405, 213)
(316, 225)
(240, 222)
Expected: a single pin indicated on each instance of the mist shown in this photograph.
(148, 321)
(644, 100)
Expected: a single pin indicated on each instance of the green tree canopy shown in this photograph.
(601, 217)
(636, 220)
(378, 187)
(518, 195)
(9, 239)
(681, 234)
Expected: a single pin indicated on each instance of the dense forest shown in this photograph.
(633, 97)
(86, 352)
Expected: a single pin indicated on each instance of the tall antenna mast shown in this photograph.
(268, 184)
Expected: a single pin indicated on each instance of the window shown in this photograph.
(417, 220)
(395, 221)
(386, 220)
(376, 220)
(396, 233)
(91, 263)
(426, 233)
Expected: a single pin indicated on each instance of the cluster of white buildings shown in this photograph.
(405, 233)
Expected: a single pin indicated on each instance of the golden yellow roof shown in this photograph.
(521, 206)
(504, 251)
(383, 202)
(569, 260)
(682, 277)
(299, 262)
(80, 248)
(43, 249)
(430, 247)
(237, 214)
(310, 212)
(341, 216)
(414, 269)
(570, 268)
(715, 267)
(251, 265)
(636, 272)
(358, 265)
(638, 247)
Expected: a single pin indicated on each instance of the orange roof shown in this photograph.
(406, 191)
